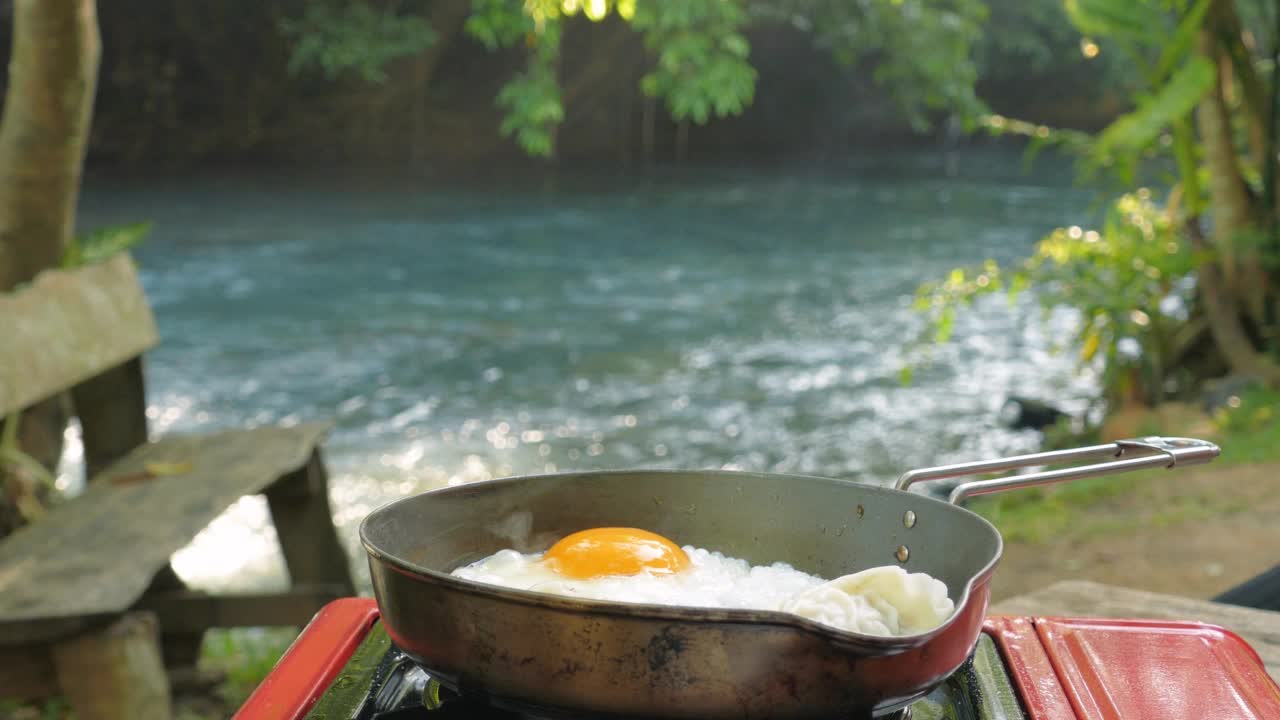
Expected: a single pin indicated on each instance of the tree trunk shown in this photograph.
(45, 128)
(1229, 33)
(1224, 319)
(53, 75)
(1234, 211)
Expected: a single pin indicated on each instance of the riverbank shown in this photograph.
(1194, 533)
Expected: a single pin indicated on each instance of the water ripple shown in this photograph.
(743, 320)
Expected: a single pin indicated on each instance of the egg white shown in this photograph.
(881, 601)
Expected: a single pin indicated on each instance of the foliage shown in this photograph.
(1127, 139)
(1037, 37)
(353, 36)
(702, 68)
(531, 100)
(1166, 80)
(103, 243)
(246, 655)
(1249, 432)
(52, 709)
(1128, 281)
(921, 50)
(533, 108)
(1124, 282)
(1249, 413)
(30, 475)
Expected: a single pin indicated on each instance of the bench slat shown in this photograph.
(68, 326)
(96, 554)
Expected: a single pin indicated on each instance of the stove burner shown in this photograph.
(344, 667)
(380, 682)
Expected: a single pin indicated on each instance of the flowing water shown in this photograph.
(707, 318)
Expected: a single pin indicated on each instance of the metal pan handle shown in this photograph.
(1136, 454)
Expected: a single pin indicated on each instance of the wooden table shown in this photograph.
(1259, 628)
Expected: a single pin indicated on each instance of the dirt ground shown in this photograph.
(1194, 532)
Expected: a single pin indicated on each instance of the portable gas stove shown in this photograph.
(344, 667)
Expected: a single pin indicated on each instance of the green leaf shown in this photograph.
(946, 324)
(736, 45)
(1178, 46)
(1173, 101)
(338, 37)
(104, 243)
(1127, 19)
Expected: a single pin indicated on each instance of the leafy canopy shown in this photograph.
(1133, 280)
(701, 69)
(340, 37)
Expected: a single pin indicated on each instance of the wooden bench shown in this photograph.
(90, 584)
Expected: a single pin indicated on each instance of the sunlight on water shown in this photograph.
(712, 320)
(240, 544)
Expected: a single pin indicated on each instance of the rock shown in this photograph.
(1022, 413)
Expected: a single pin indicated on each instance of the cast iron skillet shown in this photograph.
(555, 656)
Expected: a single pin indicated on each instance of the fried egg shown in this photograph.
(637, 566)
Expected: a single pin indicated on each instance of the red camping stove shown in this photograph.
(344, 667)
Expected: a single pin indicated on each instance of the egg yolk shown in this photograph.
(615, 551)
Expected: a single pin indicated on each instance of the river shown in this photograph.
(724, 317)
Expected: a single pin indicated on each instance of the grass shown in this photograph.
(1249, 432)
(54, 709)
(246, 656)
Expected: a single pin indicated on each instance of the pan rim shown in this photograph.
(681, 613)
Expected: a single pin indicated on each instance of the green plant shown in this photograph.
(103, 243)
(702, 68)
(52, 709)
(920, 50)
(246, 655)
(1203, 123)
(1249, 427)
(1128, 282)
(531, 100)
(31, 475)
(353, 36)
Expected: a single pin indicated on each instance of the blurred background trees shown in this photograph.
(600, 81)
(1179, 283)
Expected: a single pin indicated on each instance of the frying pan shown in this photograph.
(558, 657)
